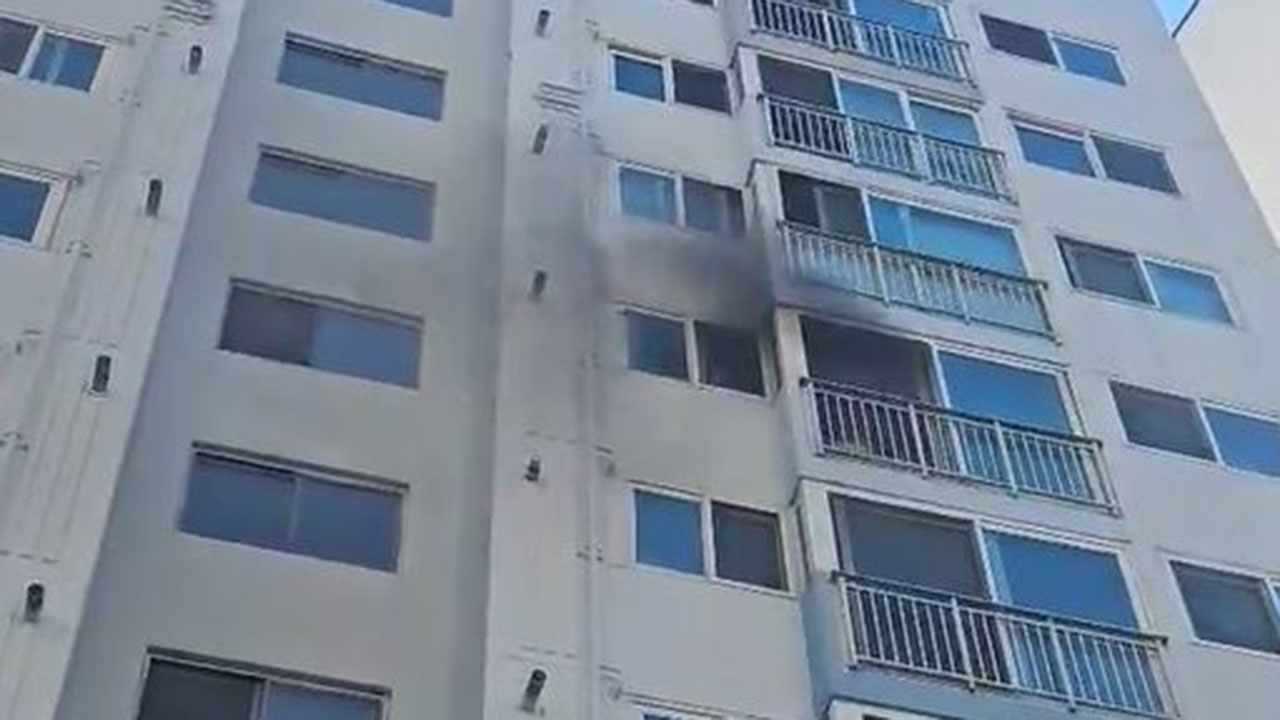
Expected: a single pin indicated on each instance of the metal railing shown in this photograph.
(824, 131)
(843, 32)
(899, 277)
(870, 425)
(987, 644)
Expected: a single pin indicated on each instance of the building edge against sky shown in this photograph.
(583, 359)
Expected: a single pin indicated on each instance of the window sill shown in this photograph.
(1235, 649)
(1233, 325)
(1208, 464)
(711, 580)
(766, 400)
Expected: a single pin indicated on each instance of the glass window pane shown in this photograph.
(268, 326)
(796, 82)
(66, 62)
(238, 501)
(967, 241)
(668, 532)
(347, 523)
(1090, 61)
(353, 77)
(291, 702)
(638, 77)
(393, 205)
(648, 195)
(867, 359)
(892, 223)
(180, 692)
(1022, 40)
(365, 346)
(748, 546)
(946, 124)
(15, 40)
(1187, 292)
(834, 208)
(1244, 442)
(908, 547)
(1134, 165)
(21, 205)
(1055, 151)
(1160, 420)
(902, 13)
(1060, 579)
(1003, 392)
(1112, 272)
(713, 208)
(656, 345)
(435, 7)
(868, 102)
(704, 87)
(1228, 608)
(729, 358)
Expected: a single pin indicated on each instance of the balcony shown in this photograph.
(899, 277)
(988, 645)
(871, 425)
(842, 32)
(822, 131)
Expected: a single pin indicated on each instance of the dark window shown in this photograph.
(1134, 165)
(656, 345)
(399, 206)
(1054, 151)
(301, 332)
(1229, 608)
(1100, 269)
(729, 358)
(353, 76)
(834, 208)
(435, 7)
(748, 546)
(909, 547)
(176, 691)
(1245, 442)
(797, 82)
(639, 77)
(66, 62)
(713, 208)
(668, 532)
(21, 205)
(281, 509)
(15, 41)
(704, 87)
(1017, 39)
(1160, 420)
(1089, 60)
(867, 359)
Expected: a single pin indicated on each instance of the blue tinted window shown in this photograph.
(1134, 165)
(393, 205)
(360, 79)
(364, 346)
(66, 62)
(1244, 442)
(1003, 392)
(346, 523)
(946, 124)
(903, 14)
(240, 502)
(291, 702)
(1187, 292)
(15, 40)
(1060, 579)
(871, 103)
(639, 77)
(648, 195)
(21, 205)
(668, 532)
(1090, 61)
(436, 7)
(1054, 151)
(946, 236)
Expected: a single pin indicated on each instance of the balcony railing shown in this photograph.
(823, 131)
(898, 277)
(870, 425)
(991, 645)
(842, 32)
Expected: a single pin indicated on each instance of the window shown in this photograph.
(725, 357)
(179, 691)
(636, 76)
(834, 208)
(889, 107)
(1074, 56)
(906, 546)
(647, 77)
(656, 345)
(1229, 608)
(1161, 420)
(1124, 275)
(748, 546)
(1065, 580)
(352, 75)
(1056, 151)
(59, 59)
(948, 237)
(729, 358)
(700, 86)
(317, 334)
(280, 508)
(344, 194)
(1187, 292)
(669, 532)
(435, 7)
(15, 41)
(1245, 442)
(913, 16)
(1003, 392)
(697, 205)
(1116, 160)
(1128, 163)
(796, 82)
(1103, 270)
(22, 202)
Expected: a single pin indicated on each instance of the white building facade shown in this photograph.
(391, 359)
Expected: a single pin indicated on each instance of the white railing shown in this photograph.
(986, 644)
(824, 131)
(898, 277)
(843, 32)
(869, 425)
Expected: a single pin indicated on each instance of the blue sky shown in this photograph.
(1173, 9)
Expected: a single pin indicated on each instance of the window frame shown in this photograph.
(692, 358)
(44, 29)
(677, 183)
(666, 63)
(905, 99)
(346, 51)
(1052, 37)
(706, 504)
(1086, 138)
(58, 183)
(1268, 583)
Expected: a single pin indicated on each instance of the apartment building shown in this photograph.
(675, 360)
